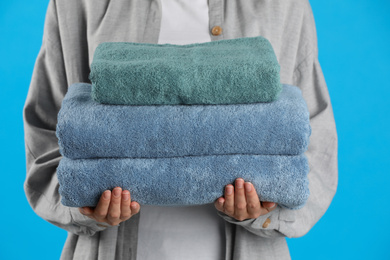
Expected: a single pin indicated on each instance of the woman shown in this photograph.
(73, 29)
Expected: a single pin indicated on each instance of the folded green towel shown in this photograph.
(234, 71)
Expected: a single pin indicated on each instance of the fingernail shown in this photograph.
(240, 183)
(82, 211)
(117, 192)
(134, 206)
(248, 186)
(220, 201)
(273, 206)
(125, 196)
(106, 195)
(229, 190)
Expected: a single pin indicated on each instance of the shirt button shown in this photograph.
(217, 30)
(266, 223)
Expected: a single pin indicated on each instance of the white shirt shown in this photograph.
(195, 232)
(184, 22)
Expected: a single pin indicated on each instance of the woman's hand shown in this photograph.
(242, 202)
(113, 207)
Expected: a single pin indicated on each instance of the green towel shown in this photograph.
(234, 71)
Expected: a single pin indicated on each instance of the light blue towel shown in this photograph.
(87, 129)
(184, 180)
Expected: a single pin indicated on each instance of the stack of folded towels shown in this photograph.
(174, 124)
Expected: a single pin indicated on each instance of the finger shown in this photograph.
(114, 210)
(273, 208)
(86, 211)
(268, 207)
(135, 207)
(229, 200)
(219, 204)
(100, 212)
(252, 201)
(125, 205)
(240, 210)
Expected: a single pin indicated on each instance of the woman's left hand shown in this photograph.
(242, 202)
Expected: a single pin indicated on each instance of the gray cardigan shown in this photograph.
(74, 28)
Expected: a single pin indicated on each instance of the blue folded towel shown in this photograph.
(87, 129)
(243, 70)
(184, 180)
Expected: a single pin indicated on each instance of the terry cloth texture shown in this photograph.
(87, 129)
(184, 180)
(233, 71)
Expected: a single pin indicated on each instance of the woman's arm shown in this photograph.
(47, 89)
(322, 151)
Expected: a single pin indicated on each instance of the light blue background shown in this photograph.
(354, 41)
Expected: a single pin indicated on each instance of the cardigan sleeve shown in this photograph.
(322, 150)
(47, 89)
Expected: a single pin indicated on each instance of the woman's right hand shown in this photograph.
(113, 207)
